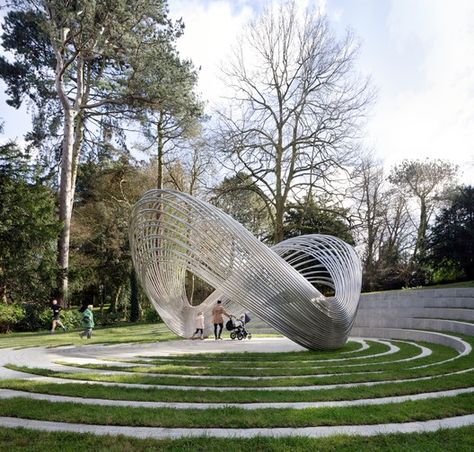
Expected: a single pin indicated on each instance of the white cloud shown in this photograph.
(422, 64)
(211, 29)
(434, 117)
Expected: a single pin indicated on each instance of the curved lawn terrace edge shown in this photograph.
(449, 358)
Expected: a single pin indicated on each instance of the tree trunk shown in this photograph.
(78, 139)
(115, 299)
(65, 204)
(134, 302)
(420, 247)
(159, 128)
(3, 293)
(279, 199)
(278, 232)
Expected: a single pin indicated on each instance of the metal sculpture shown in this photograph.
(172, 233)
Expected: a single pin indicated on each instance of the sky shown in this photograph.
(419, 55)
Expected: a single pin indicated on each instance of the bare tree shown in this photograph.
(384, 226)
(188, 167)
(297, 106)
(368, 193)
(426, 181)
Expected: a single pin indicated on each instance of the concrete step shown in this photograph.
(432, 313)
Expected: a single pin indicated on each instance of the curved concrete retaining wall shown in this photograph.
(417, 315)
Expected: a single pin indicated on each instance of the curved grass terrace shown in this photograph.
(202, 387)
(460, 439)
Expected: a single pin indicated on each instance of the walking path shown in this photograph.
(175, 433)
(9, 394)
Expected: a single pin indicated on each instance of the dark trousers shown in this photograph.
(220, 325)
(87, 332)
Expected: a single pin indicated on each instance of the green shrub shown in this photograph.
(10, 315)
(70, 318)
(150, 315)
(108, 318)
(32, 320)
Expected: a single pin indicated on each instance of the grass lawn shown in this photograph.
(231, 417)
(248, 396)
(151, 332)
(250, 359)
(148, 332)
(459, 440)
(451, 285)
(389, 371)
(288, 368)
(454, 285)
(293, 369)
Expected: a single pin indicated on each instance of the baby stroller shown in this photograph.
(237, 327)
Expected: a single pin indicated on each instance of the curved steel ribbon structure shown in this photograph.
(172, 233)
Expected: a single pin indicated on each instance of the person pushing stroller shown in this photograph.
(218, 313)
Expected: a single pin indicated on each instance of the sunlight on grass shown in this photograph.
(110, 335)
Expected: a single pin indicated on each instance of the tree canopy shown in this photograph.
(426, 181)
(90, 65)
(297, 106)
(451, 245)
(317, 218)
(27, 230)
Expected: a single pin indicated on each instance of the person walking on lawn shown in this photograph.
(87, 322)
(56, 308)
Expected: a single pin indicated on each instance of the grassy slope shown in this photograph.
(110, 335)
(455, 285)
(139, 333)
(248, 396)
(19, 439)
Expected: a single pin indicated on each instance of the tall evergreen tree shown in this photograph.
(85, 61)
(312, 218)
(28, 228)
(451, 244)
(100, 256)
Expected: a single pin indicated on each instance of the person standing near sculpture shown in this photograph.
(199, 325)
(87, 322)
(218, 313)
(56, 308)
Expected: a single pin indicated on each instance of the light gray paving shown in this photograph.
(240, 388)
(9, 394)
(174, 433)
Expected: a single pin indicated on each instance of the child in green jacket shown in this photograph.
(87, 322)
